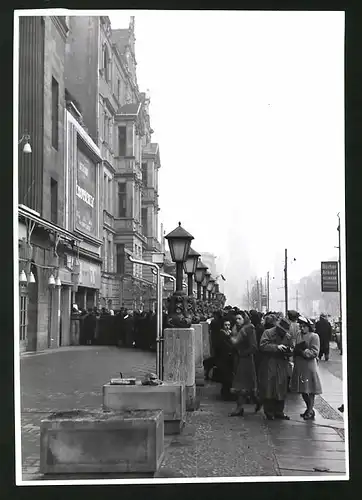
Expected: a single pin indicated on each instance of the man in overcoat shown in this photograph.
(277, 346)
(324, 330)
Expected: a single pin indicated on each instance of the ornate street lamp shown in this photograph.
(210, 286)
(179, 242)
(199, 276)
(190, 269)
(204, 284)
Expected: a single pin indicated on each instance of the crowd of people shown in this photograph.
(125, 327)
(259, 358)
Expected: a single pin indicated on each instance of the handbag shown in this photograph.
(299, 348)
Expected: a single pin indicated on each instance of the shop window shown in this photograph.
(122, 141)
(120, 255)
(23, 312)
(55, 113)
(122, 199)
(53, 201)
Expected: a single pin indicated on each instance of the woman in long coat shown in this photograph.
(243, 339)
(277, 345)
(305, 378)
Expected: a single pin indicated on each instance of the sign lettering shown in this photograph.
(329, 276)
(85, 195)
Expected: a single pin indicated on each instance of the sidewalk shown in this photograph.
(211, 444)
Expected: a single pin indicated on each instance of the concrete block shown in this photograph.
(206, 347)
(169, 397)
(199, 368)
(192, 399)
(179, 355)
(102, 442)
(179, 360)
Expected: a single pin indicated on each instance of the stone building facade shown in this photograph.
(44, 310)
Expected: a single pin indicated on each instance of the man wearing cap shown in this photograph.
(324, 330)
(277, 345)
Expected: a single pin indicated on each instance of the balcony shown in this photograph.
(153, 244)
(124, 165)
(127, 225)
(106, 154)
(108, 219)
(149, 195)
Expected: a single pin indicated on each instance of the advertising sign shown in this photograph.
(329, 276)
(90, 275)
(85, 195)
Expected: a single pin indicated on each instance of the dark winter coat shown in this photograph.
(273, 371)
(245, 345)
(324, 330)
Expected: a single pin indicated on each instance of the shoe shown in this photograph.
(258, 406)
(310, 415)
(341, 409)
(269, 416)
(282, 416)
(303, 414)
(239, 412)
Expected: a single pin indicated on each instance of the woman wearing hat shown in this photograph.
(305, 378)
(277, 345)
(244, 384)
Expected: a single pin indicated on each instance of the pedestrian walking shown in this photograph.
(277, 345)
(305, 378)
(223, 361)
(244, 384)
(324, 330)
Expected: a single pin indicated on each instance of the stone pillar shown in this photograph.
(179, 361)
(206, 340)
(55, 318)
(199, 358)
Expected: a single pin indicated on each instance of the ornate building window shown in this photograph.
(106, 62)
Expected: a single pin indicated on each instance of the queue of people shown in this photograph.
(126, 328)
(260, 358)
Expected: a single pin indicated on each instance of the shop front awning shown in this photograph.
(49, 226)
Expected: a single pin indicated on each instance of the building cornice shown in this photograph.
(61, 25)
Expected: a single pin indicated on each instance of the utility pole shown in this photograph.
(261, 294)
(339, 279)
(268, 291)
(257, 292)
(296, 301)
(286, 282)
(247, 288)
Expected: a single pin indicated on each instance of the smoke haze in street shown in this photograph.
(248, 110)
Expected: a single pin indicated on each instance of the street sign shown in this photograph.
(329, 276)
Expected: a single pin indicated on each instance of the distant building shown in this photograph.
(101, 75)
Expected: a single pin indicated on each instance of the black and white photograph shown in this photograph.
(179, 247)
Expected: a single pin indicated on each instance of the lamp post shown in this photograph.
(205, 282)
(179, 242)
(27, 147)
(199, 276)
(210, 287)
(190, 268)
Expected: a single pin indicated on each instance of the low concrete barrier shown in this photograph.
(168, 397)
(199, 358)
(102, 442)
(179, 361)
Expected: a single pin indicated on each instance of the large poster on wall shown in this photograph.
(85, 195)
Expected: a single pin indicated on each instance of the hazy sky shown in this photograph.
(248, 110)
